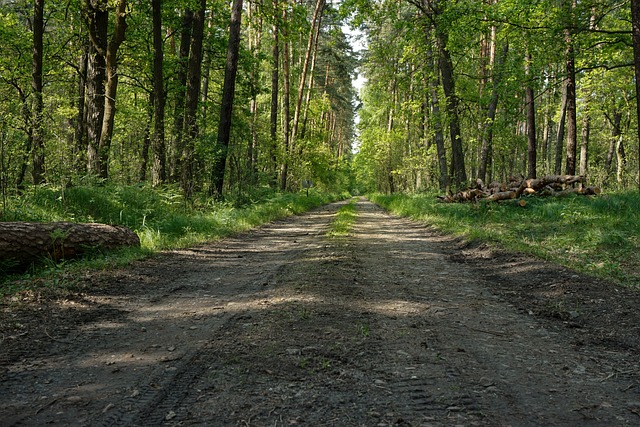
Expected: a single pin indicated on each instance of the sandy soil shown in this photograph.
(395, 324)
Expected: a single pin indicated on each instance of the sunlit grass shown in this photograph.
(344, 219)
(161, 218)
(599, 236)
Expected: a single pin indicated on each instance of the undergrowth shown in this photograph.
(161, 218)
(599, 236)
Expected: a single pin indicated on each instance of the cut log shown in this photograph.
(503, 195)
(554, 185)
(540, 183)
(584, 191)
(22, 243)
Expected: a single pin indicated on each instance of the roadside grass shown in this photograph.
(345, 217)
(160, 217)
(599, 236)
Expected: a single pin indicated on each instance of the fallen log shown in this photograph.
(502, 195)
(22, 243)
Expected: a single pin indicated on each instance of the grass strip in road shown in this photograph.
(344, 219)
(599, 236)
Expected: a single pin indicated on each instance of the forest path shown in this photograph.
(285, 326)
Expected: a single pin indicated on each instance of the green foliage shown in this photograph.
(598, 236)
(398, 122)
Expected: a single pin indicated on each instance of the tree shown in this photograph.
(284, 168)
(275, 81)
(194, 73)
(228, 93)
(313, 34)
(531, 120)
(570, 67)
(177, 146)
(38, 54)
(111, 88)
(98, 20)
(158, 166)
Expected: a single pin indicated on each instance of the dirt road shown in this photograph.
(392, 325)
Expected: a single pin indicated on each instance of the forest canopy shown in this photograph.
(217, 97)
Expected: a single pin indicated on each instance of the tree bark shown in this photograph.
(560, 131)
(457, 171)
(158, 167)
(25, 243)
(531, 121)
(190, 131)
(584, 146)
(311, 75)
(111, 89)
(255, 41)
(621, 160)
(487, 131)
(79, 120)
(616, 131)
(438, 137)
(177, 149)
(228, 93)
(98, 16)
(37, 166)
(146, 143)
(284, 169)
(572, 125)
(275, 80)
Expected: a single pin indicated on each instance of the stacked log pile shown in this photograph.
(551, 185)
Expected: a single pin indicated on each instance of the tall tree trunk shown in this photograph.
(79, 120)
(616, 131)
(284, 169)
(457, 171)
(177, 149)
(275, 80)
(317, 13)
(560, 131)
(635, 19)
(438, 137)
(314, 55)
(531, 120)
(25, 111)
(146, 142)
(158, 168)
(487, 132)
(572, 125)
(622, 160)
(111, 89)
(36, 84)
(194, 73)
(584, 146)
(228, 93)
(98, 17)
(255, 40)
(546, 138)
